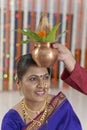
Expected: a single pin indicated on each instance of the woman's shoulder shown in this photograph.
(14, 113)
(59, 97)
(12, 120)
(17, 108)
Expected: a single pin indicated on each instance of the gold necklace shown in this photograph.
(27, 116)
(33, 111)
(34, 122)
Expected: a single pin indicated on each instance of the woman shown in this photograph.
(73, 74)
(39, 110)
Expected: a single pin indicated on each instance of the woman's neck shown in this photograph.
(34, 106)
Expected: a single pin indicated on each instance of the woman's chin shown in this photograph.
(41, 97)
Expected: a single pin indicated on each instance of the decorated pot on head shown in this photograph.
(43, 53)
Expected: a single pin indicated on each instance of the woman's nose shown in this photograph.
(41, 83)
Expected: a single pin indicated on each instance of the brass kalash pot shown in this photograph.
(44, 54)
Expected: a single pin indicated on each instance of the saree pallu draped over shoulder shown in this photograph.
(58, 115)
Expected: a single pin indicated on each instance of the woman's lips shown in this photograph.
(40, 93)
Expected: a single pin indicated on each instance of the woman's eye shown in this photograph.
(46, 77)
(33, 79)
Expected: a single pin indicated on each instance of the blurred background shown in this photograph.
(20, 14)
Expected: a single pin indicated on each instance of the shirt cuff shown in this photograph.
(66, 74)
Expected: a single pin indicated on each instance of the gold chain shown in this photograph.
(33, 111)
(34, 122)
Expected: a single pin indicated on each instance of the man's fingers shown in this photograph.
(56, 45)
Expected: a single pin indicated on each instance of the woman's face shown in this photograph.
(35, 83)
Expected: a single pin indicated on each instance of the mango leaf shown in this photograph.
(21, 31)
(24, 42)
(31, 34)
(52, 34)
(60, 35)
(44, 39)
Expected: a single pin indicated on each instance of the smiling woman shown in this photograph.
(38, 110)
(35, 83)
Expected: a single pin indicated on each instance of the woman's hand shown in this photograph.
(65, 56)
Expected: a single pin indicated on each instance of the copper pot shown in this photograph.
(44, 55)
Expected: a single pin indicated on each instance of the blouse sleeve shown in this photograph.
(8, 124)
(77, 79)
(12, 121)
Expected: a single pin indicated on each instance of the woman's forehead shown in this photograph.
(37, 70)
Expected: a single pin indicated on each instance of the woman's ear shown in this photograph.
(18, 83)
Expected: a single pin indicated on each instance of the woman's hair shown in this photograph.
(24, 63)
